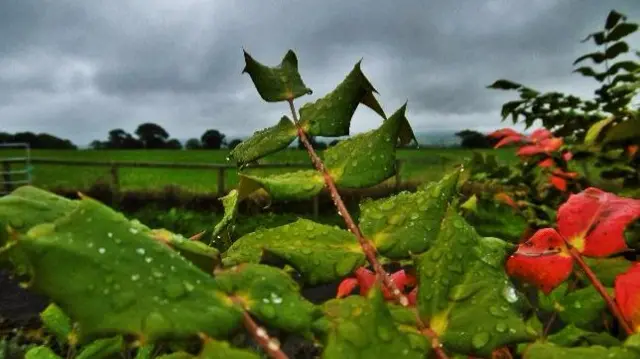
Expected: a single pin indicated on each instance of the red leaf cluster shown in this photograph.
(365, 279)
(592, 222)
(627, 291)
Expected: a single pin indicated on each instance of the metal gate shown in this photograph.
(15, 159)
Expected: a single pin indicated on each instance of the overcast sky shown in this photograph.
(79, 68)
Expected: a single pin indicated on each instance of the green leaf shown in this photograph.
(629, 66)
(331, 115)
(504, 85)
(102, 348)
(495, 219)
(596, 129)
(368, 158)
(41, 352)
(203, 256)
(606, 269)
(509, 108)
(616, 49)
(621, 31)
(612, 19)
(270, 294)
(145, 352)
(408, 223)
(280, 83)
(95, 261)
(571, 336)
(586, 71)
(213, 349)
(583, 308)
(362, 327)
(58, 323)
(230, 203)
(597, 57)
(297, 185)
(541, 350)
(28, 206)
(464, 293)
(598, 38)
(265, 142)
(623, 131)
(320, 253)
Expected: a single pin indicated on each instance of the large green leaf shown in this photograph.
(624, 131)
(359, 327)
(368, 158)
(320, 253)
(270, 294)
(408, 223)
(279, 83)
(331, 115)
(582, 308)
(495, 219)
(596, 129)
(41, 352)
(265, 141)
(28, 206)
(296, 185)
(94, 261)
(542, 350)
(464, 293)
(573, 336)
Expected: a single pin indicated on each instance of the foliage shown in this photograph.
(118, 286)
(40, 140)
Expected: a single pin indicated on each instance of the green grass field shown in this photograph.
(432, 163)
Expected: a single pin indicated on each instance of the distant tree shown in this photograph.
(152, 135)
(193, 144)
(234, 143)
(120, 139)
(40, 141)
(212, 139)
(173, 144)
(97, 145)
(473, 139)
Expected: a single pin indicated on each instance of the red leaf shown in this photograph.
(567, 156)
(366, 280)
(559, 183)
(540, 134)
(346, 287)
(632, 150)
(413, 297)
(594, 221)
(545, 146)
(504, 132)
(546, 163)
(505, 198)
(508, 140)
(627, 291)
(542, 260)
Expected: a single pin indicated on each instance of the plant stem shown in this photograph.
(613, 307)
(260, 335)
(368, 247)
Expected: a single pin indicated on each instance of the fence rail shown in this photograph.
(221, 168)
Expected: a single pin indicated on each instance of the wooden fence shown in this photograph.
(115, 166)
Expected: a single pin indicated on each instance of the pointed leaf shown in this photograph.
(58, 323)
(593, 221)
(598, 38)
(203, 256)
(621, 31)
(596, 57)
(102, 348)
(583, 308)
(265, 142)
(596, 129)
(497, 219)
(40, 352)
(616, 49)
(94, 261)
(368, 158)
(331, 115)
(320, 253)
(270, 295)
(464, 294)
(612, 19)
(408, 222)
(230, 203)
(542, 260)
(280, 83)
(504, 85)
(623, 131)
(28, 206)
(296, 185)
(364, 328)
(586, 71)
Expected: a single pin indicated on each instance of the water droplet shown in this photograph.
(148, 259)
(345, 265)
(268, 311)
(188, 286)
(414, 216)
(174, 290)
(480, 339)
(101, 250)
(133, 230)
(497, 312)
(577, 305)
(387, 205)
(464, 291)
(384, 333)
(156, 323)
(351, 332)
(122, 300)
(306, 251)
(140, 251)
(501, 327)
(135, 277)
(436, 253)
(509, 293)
(110, 235)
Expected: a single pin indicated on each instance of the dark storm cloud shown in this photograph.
(80, 68)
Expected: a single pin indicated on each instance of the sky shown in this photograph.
(79, 68)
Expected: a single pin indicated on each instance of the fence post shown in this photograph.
(221, 181)
(115, 183)
(398, 178)
(6, 176)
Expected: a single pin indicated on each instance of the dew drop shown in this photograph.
(501, 327)
(384, 333)
(268, 311)
(480, 339)
(140, 251)
(351, 332)
(101, 250)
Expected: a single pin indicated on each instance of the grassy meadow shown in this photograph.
(429, 165)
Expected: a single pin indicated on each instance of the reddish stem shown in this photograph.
(260, 335)
(368, 247)
(613, 307)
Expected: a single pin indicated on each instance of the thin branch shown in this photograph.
(368, 247)
(613, 307)
(270, 345)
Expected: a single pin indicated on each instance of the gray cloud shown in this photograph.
(80, 68)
